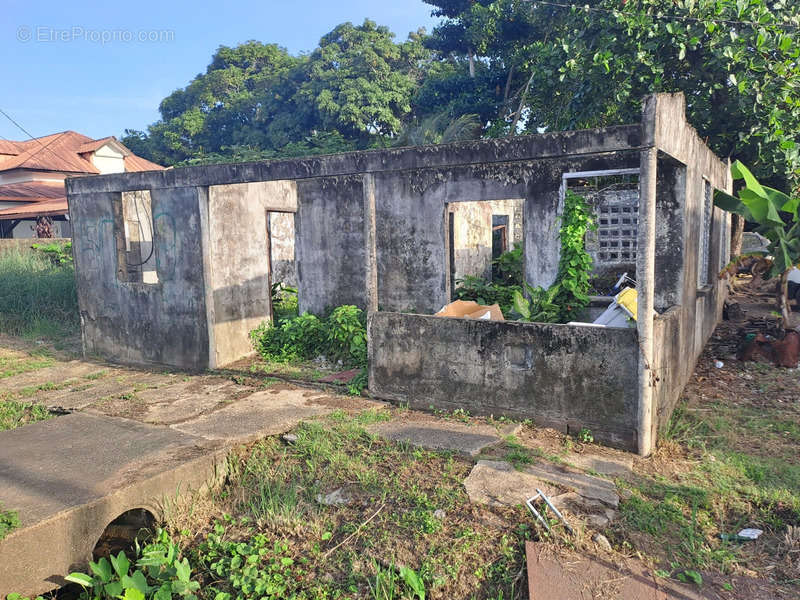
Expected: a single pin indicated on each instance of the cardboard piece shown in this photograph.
(468, 309)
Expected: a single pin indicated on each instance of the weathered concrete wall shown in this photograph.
(137, 323)
(331, 248)
(238, 262)
(561, 376)
(689, 312)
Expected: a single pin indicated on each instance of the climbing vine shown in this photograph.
(575, 265)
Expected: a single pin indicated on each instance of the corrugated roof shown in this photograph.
(29, 190)
(65, 152)
(137, 163)
(45, 208)
(7, 147)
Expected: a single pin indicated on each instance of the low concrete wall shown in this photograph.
(561, 376)
(23, 244)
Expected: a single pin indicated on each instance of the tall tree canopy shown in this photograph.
(256, 100)
(737, 61)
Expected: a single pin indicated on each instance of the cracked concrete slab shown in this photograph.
(258, 415)
(468, 439)
(498, 483)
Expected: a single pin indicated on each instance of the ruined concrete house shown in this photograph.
(390, 230)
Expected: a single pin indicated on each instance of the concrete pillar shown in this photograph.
(645, 284)
(371, 254)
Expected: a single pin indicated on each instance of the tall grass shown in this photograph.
(37, 297)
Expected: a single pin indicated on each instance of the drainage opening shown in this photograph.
(121, 533)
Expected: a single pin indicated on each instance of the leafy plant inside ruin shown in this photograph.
(562, 301)
(341, 337)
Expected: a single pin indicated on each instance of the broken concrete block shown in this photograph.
(469, 439)
(498, 483)
(602, 541)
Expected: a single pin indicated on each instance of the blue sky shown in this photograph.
(59, 74)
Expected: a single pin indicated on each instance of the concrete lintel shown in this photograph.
(545, 145)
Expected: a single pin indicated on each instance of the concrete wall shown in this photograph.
(558, 375)
(331, 243)
(236, 257)
(689, 313)
(138, 323)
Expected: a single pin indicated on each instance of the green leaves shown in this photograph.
(160, 576)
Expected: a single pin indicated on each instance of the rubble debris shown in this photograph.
(782, 353)
(338, 497)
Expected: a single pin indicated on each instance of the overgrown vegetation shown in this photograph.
(733, 465)
(777, 218)
(399, 525)
(37, 294)
(14, 414)
(341, 338)
(565, 299)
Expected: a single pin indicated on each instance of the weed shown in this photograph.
(158, 573)
(15, 414)
(585, 436)
(9, 520)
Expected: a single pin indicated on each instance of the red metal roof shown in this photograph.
(65, 152)
(28, 191)
(45, 208)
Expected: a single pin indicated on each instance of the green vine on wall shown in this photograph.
(575, 265)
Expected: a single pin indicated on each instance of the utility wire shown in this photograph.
(663, 17)
(26, 132)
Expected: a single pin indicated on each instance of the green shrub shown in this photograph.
(347, 335)
(37, 296)
(507, 269)
(302, 337)
(58, 254)
(157, 574)
(485, 292)
(342, 336)
(575, 265)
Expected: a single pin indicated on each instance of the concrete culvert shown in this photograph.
(120, 534)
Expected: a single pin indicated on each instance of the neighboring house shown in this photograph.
(32, 177)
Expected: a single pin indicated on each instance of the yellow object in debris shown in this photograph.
(627, 299)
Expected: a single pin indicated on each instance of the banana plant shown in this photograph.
(777, 219)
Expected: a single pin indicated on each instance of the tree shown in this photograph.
(257, 101)
(359, 82)
(737, 61)
(776, 216)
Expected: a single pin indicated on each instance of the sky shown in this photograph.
(99, 68)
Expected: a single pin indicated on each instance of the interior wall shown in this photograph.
(281, 236)
(238, 254)
(472, 233)
(331, 249)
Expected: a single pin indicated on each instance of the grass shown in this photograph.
(14, 414)
(737, 466)
(9, 520)
(406, 528)
(37, 298)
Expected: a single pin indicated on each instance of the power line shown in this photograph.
(25, 131)
(663, 17)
